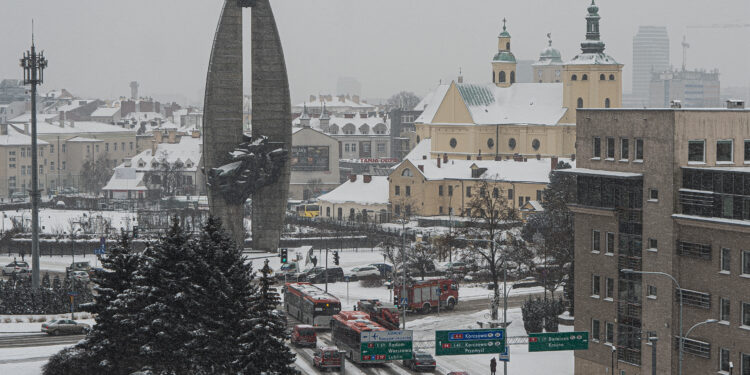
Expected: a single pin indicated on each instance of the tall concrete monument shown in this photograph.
(238, 167)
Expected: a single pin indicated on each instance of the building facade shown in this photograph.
(650, 55)
(315, 163)
(662, 191)
(359, 198)
(693, 88)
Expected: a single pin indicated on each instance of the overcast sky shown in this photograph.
(96, 47)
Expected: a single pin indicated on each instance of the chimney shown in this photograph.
(352, 177)
(355, 98)
(735, 104)
(421, 168)
(61, 117)
(498, 158)
(553, 163)
(172, 135)
(196, 134)
(675, 104)
(363, 115)
(367, 178)
(342, 99)
(154, 144)
(349, 115)
(479, 157)
(438, 159)
(445, 158)
(424, 157)
(3, 129)
(26, 129)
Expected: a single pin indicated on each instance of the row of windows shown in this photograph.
(397, 190)
(607, 103)
(501, 77)
(625, 147)
(609, 331)
(585, 77)
(609, 287)
(535, 144)
(725, 262)
(106, 147)
(724, 151)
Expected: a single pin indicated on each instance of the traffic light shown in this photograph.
(336, 258)
(135, 231)
(283, 255)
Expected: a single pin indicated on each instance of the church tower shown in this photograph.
(592, 79)
(550, 65)
(504, 63)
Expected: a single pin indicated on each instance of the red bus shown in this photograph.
(345, 333)
(310, 304)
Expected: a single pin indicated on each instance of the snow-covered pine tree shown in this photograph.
(264, 334)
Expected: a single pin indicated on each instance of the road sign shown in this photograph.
(99, 251)
(385, 345)
(505, 356)
(72, 294)
(470, 341)
(553, 341)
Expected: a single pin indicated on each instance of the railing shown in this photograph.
(633, 263)
(629, 355)
(695, 347)
(694, 250)
(629, 309)
(693, 298)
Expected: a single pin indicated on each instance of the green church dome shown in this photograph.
(504, 56)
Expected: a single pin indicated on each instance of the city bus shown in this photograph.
(308, 210)
(310, 304)
(346, 329)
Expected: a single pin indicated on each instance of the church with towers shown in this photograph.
(503, 119)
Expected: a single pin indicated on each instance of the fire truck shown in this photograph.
(383, 313)
(425, 295)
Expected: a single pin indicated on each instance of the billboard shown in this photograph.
(309, 158)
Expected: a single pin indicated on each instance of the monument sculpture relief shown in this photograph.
(229, 165)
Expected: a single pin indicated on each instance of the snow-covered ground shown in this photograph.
(53, 263)
(27, 360)
(59, 221)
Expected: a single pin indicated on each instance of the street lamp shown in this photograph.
(450, 220)
(707, 321)
(628, 270)
(33, 65)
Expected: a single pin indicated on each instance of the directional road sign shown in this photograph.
(471, 341)
(553, 341)
(505, 355)
(386, 345)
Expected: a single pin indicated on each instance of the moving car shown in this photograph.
(304, 335)
(363, 271)
(65, 327)
(455, 267)
(78, 266)
(327, 357)
(15, 266)
(334, 274)
(384, 268)
(81, 276)
(420, 361)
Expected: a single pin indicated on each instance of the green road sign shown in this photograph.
(385, 345)
(552, 341)
(470, 341)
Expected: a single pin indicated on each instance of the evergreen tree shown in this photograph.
(264, 334)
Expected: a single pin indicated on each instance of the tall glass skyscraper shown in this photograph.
(650, 54)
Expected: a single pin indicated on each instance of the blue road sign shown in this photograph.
(505, 356)
(404, 301)
(72, 294)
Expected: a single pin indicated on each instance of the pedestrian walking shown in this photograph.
(493, 366)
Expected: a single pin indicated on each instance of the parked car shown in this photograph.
(420, 361)
(526, 283)
(65, 327)
(18, 196)
(384, 268)
(362, 271)
(23, 274)
(327, 358)
(334, 274)
(15, 267)
(458, 373)
(81, 276)
(78, 266)
(455, 267)
(304, 335)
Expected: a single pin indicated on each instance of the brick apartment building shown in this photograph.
(663, 190)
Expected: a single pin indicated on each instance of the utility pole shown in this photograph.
(33, 65)
(403, 269)
(653, 340)
(326, 270)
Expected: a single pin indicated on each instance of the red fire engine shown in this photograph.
(383, 313)
(424, 295)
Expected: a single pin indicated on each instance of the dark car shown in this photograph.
(420, 361)
(384, 268)
(334, 274)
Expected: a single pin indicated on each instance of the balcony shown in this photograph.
(628, 309)
(633, 263)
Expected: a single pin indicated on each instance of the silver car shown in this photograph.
(15, 267)
(65, 327)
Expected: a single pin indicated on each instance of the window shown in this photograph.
(535, 144)
(381, 147)
(539, 195)
(745, 364)
(724, 151)
(450, 190)
(23, 152)
(490, 143)
(453, 142)
(609, 333)
(602, 77)
(51, 149)
(52, 166)
(579, 104)
(624, 149)
(512, 73)
(495, 193)
(574, 77)
(106, 147)
(64, 148)
(440, 190)
(747, 151)
(611, 77)
(610, 288)
(653, 243)
(746, 262)
(610, 243)
(397, 190)
(597, 147)
(354, 147)
(510, 194)
(653, 194)
(23, 170)
(585, 77)
(96, 147)
(63, 165)
(502, 77)
(724, 309)
(406, 173)
(346, 147)
(595, 241)
(610, 148)
(746, 315)
(468, 191)
(723, 359)
(726, 260)
(595, 329)
(512, 143)
(408, 191)
(651, 291)
(520, 201)
(693, 298)
(638, 149)
(595, 285)
(114, 144)
(441, 210)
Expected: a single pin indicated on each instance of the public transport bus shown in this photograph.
(310, 304)
(308, 210)
(346, 328)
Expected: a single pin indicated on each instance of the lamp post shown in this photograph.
(707, 321)
(450, 221)
(682, 339)
(33, 65)
(653, 341)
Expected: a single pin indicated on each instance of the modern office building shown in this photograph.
(650, 55)
(693, 88)
(663, 191)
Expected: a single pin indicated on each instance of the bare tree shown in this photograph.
(94, 174)
(168, 176)
(491, 216)
(405, 100)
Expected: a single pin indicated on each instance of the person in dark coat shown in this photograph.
(493, 366)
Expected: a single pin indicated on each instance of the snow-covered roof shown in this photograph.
(431, 101)
(143, 116)
(83, 139)
(79, 127)
(75, 104)
(15, 138)
(592, 59)
(359, 191)
(26, 117)
(126, 178)
(187, 151)
(335, 104)
(530, 171)
(488, 104)
(105, 112)
(357, 122)
(533, 205)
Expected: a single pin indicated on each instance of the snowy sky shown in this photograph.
(97, 47)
